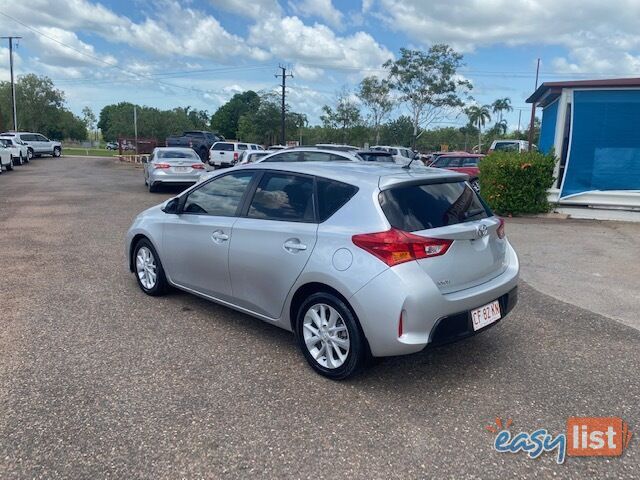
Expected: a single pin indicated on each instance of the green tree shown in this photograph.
(225, 120)
(40, 108)
(398, 131)
(428, 83)
(89, 119)
(501, 105)
(262, 125)
(343, 117)
(375, 95)
(478, 116)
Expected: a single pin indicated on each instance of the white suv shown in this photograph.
(17, 149)
(401, 155)
(226, 154)
(37, 144)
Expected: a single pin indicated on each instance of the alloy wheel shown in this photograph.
(146, 268)
(326, 335)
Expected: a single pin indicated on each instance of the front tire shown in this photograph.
(57, 151)
(148, 269)
(23, 159)
(29, 154)
(330, 337)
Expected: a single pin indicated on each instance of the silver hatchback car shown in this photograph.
(359, 259)
(172, 165)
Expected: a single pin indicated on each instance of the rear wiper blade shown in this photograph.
(473, 213)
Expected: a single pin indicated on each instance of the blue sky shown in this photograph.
(168, 53)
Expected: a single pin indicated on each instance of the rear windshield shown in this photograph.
(421, 207)
(227, 147)
(175, 154)
(376, 157)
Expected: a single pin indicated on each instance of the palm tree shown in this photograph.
(502, 105)
(478, 116)
(501, 127)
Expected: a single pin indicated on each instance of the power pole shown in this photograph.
(13, 86)
(135, 125)
(533, 110)
(284, 76)
(519, 117)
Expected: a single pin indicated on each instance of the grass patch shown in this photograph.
(89, 152)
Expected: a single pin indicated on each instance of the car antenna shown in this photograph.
(408, 165)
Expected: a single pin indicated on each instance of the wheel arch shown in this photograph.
(304, 291)
(134, 241)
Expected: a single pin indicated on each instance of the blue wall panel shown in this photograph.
(605, 142)
(548, 127)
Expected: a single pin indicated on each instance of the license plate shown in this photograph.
(181, 169)
(486, 315)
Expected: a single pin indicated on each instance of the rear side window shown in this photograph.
(332, 196)
(242, 146)
(421, 207)
(283, 197)
(284, 157)
(470, 162)
(227, 147)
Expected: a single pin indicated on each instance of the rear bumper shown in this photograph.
(161, 177)
(428, 316)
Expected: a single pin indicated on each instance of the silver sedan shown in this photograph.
(358, 259)
(171, 165)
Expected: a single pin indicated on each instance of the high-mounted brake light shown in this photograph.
(394, 246)
(198, 166)
(501, 233)
(161, 165)
(235, 156)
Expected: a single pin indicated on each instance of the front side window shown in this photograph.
(470, 162)
(41, 138)
(219, 197)
(507, 146)
(284, 197)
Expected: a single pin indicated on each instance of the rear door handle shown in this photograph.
(219, 236)
(294, 246)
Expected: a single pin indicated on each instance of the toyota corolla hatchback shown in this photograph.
(359, 260)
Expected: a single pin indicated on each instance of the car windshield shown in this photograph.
(421, 207)
(507, 146)
(376, 157)
(175, 154)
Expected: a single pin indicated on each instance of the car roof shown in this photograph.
(461, 154)
(372, 174)
(180, 149)
(375, 152)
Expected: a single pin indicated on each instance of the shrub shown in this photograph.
(513, 183)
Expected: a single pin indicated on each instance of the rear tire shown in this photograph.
(148, 269)
(25, 160)
(10, 164)
(152, 188)
(330, 337)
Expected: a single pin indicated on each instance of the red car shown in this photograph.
(461, 162)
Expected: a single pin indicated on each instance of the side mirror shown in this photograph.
(145, 159)
(171, 206)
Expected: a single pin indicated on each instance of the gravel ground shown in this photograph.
(98, 380)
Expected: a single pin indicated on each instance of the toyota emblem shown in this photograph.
(482, 230)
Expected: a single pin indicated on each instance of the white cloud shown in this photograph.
(317, 46)
(54, 48)
(323, 9)
(599, 35)
(252, 9)
(307, 73)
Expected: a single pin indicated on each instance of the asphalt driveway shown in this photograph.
(98, 380)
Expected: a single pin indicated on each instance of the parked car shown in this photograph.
(511, 146)
(37, 145)
(432, 157)
(402, 155)
(311, 154)
(464, 163)
(380, 156)
(251, 156)
(357, 259)
(18, 149)
(112, 146)
(226, 154)
(172, 165)
(6, 158)
(199, 140)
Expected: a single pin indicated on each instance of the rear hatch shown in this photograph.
(448, 208)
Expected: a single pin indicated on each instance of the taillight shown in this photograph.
(161, 165)
(190, 144)
(235, 156)
(501, 233)
(198, 166)
(394, 247)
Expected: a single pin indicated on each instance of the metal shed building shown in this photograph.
(593, 126)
